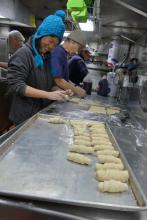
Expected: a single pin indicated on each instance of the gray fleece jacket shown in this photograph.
(22, 71)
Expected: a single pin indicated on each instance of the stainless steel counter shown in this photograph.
(132, 139)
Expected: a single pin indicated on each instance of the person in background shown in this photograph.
(118, 80)
(77, 67)
(29, 78)
(59, 62)
(15, 41)
(133, 64)
(103, 87)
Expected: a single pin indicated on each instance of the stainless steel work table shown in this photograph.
(133, 142)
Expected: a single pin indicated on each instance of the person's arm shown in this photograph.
(63, 84)
(82, 69)
(36, 93)
(4, 65)
(18, 72)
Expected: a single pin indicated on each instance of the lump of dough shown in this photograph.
(112, 111)
(117, 166)
(112, 186)
(81, 133)
(67, 98)
(79, 137)
(103, 147)
(114, 153)
(97, 142)
(105, 135)
(101, 139)
(121, 175)
(78, 158)
(83, 142)
(82, 149)
(56, 120)
(108, 158)
(75, 100)
(78, 132)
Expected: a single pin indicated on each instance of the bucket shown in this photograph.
(88, 87)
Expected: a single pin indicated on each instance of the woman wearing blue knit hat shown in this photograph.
(29, 78)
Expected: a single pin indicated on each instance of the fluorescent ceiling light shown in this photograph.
(66, 33)
(88, 26)
(2, 16)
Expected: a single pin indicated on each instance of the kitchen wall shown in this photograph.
(15, 11)
(3, 43)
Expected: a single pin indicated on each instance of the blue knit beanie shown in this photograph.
(52, 25)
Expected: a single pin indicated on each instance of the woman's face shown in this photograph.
(47, 43)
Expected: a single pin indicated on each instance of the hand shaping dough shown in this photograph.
(121, 175)
(56, 120)
(105, 166)
(78, 158)
(108, 159)
(112, 186)
(114, 153)
(82, 149)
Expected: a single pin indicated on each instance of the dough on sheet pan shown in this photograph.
(74, 99)
(114, 153)
(108, 158)
(82, 149)
(97, 142)
(100, 139)
(120, 175)
(78, 158)
(117, 166)
(79, 137)
(103, 147)
(56, 120)
(82, 142)
(77, 122)
(112, 186)
(98, 131)
(112, 111)
(79, 132)
(97, 135)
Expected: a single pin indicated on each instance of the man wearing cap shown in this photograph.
(77, 67)
(59, 61)
(15, 41)
(29, 78)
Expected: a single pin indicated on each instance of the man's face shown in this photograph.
(47, 43)
(74, 47)
(14, 44)
(86, 55)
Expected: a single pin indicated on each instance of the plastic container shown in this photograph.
(88, 87)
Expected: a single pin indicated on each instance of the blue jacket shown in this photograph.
(77, 69)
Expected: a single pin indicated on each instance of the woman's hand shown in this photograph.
(59, 95)
(69, 92)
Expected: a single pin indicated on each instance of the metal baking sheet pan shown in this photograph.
(33, 165)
